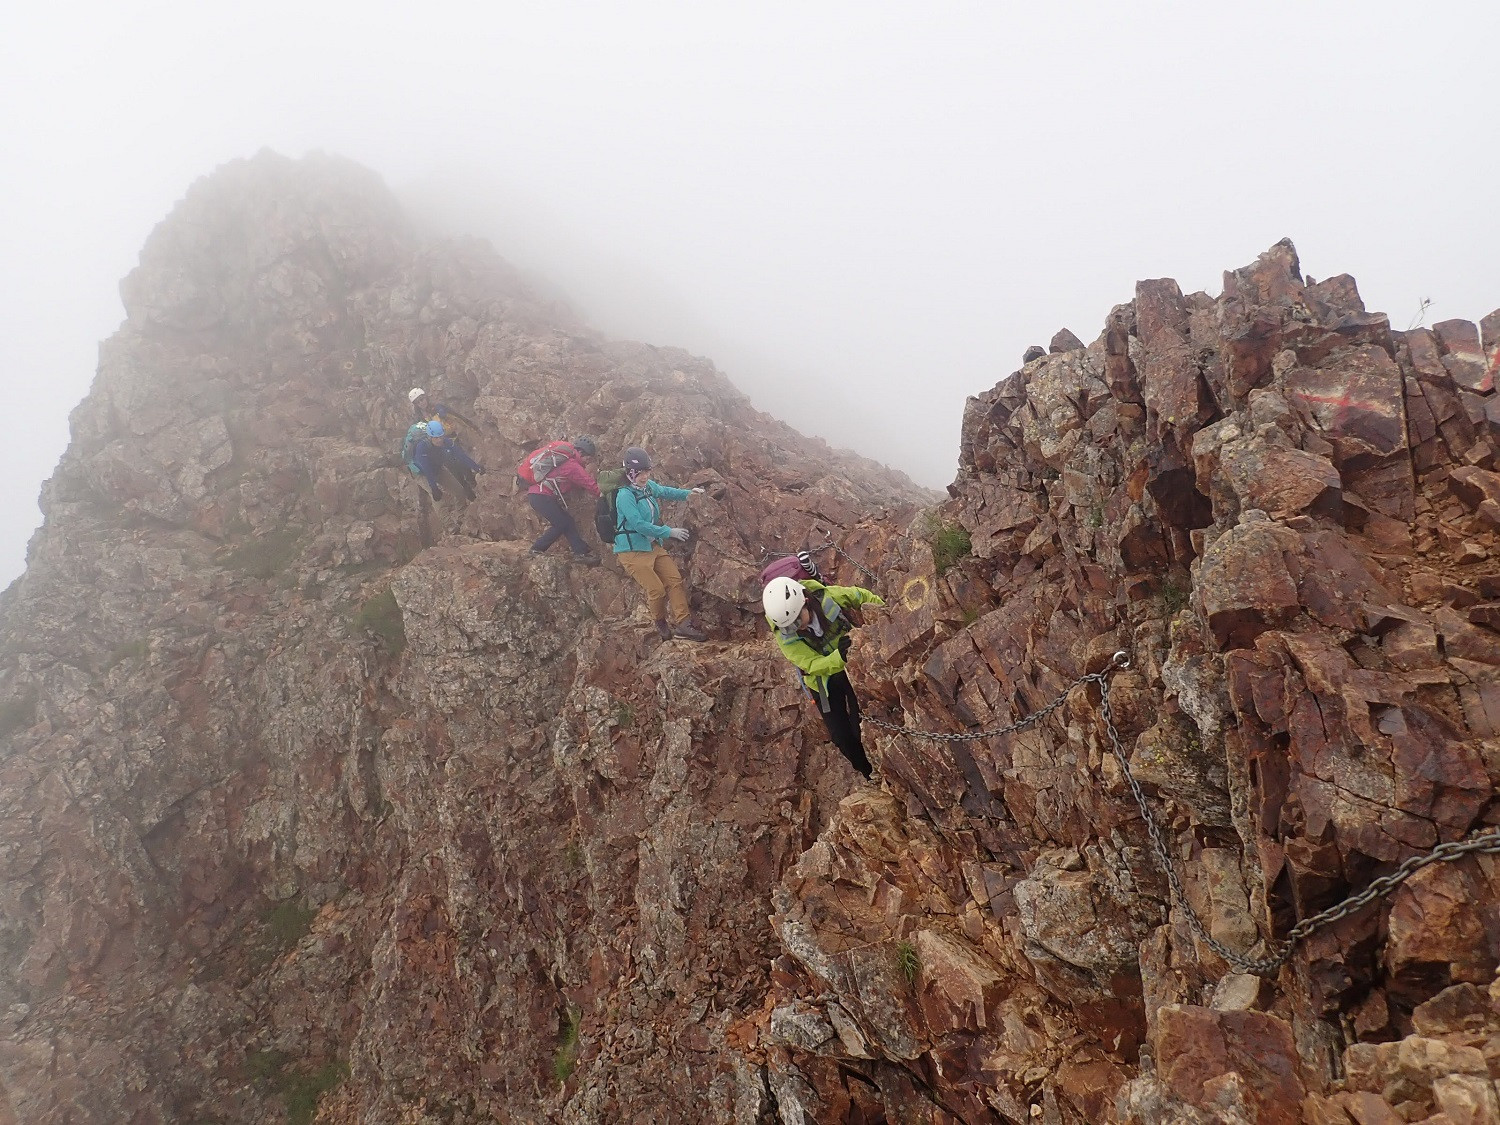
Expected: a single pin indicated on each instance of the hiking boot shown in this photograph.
(470, 494)
(589, 559)
(437, 493)
(689, 632)
(663, 630)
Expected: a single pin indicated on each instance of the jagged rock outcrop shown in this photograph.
(314, 799)
(1285, 512)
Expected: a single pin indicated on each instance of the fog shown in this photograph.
(862, 212)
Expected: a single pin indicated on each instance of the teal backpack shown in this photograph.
(409, 447)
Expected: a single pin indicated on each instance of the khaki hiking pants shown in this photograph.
(657, 574)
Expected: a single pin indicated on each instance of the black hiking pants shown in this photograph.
(556, 513)
(842, 721)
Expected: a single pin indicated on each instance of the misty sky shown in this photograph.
(863, 212)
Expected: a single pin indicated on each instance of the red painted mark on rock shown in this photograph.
(1344, 404)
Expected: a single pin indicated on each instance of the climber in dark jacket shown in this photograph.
(812, 628)
(454, 457)
(433, 452)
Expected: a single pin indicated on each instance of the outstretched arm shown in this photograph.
(667, 492)
(848, 596)
(459, 454)
(809, 659)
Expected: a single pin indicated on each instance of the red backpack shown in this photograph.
(541, 463)
(796, 567)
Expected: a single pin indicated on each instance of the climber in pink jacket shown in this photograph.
(552, 471)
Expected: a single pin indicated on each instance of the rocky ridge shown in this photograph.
(316, 800)
(295, 809)
(1284, 511)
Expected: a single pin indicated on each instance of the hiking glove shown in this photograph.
(680, 533)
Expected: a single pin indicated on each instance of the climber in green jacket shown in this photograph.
(811, 624)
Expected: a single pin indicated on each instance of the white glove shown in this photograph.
(699, 491)
(679, 533)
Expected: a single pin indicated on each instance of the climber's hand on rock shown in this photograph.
(678, 533)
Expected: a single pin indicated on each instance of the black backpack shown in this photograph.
(606, 513)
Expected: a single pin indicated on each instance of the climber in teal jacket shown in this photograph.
(640, 546)
(639, 515)
(811, 624)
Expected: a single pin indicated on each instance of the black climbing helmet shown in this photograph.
(585, 445)
(637, 459)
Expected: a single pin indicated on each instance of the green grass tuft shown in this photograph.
(281, 927)
(266, 1065)
(624, 715)
(299, 1089)
(265, 556)
(907, 961)
(382, 616)
(949, 543)
(302, 1091)
(135, 650)
(288, 922)
(565, 1060)
(1174, 596)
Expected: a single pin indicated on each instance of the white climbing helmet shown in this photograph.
(783, 599)
(414, 394)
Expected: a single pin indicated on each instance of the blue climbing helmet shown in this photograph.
(435, 428)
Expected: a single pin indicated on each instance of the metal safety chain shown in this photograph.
(972, 736)
(1484, 842)
(829, 544)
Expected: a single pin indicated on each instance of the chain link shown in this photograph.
(829, 544)
(1484, 842)
(972, 736)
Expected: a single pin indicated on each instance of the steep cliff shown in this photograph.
(318, 800)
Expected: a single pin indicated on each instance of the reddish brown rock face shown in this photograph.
(1204, 1050)
(1282, 510)
(254, 839)
(311, 790)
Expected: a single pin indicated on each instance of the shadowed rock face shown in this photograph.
(311, 793)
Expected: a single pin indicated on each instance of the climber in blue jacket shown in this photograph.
(430, 451)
